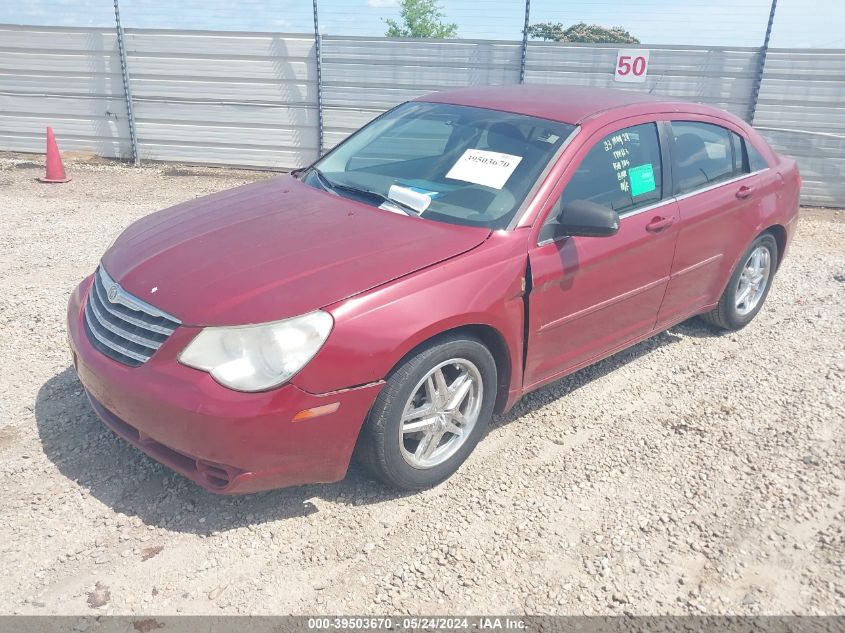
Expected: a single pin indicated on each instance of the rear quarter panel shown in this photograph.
(790, 202)
(782, 208)
(778, 202)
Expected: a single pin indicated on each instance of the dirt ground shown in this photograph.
(693, 473)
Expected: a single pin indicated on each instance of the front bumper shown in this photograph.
(226, 441)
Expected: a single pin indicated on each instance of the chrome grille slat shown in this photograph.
(135, 327)
(117, 348)
(161, 329)
(124, 328)
(116, 329)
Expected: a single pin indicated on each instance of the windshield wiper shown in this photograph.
(325, 183)
(329, 185)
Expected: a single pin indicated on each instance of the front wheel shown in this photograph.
(430, 415)
(748, 286)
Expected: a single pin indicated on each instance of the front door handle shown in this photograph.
(658, 224)
(744, 192)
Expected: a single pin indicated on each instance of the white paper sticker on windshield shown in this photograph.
(482, 167)
(411, 197)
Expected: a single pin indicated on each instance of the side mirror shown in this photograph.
(587, 219)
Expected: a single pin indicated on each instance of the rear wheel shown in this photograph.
(430, 415)
(748, 286)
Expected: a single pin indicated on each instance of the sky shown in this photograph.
(798, 23)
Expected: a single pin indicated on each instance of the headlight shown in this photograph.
(258, 357)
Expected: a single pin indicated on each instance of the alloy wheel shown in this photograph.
(441, 412)
(753, 280)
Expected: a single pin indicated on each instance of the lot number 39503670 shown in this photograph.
(631, 65)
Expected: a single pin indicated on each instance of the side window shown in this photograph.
(622, 171)
(746, 157)
(703, 155)
(756, 162)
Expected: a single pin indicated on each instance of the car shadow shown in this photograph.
(693, 328)
(130, 483)
(121, 477)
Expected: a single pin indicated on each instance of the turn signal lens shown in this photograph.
(316, 412)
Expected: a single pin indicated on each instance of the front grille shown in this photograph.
(122, 326)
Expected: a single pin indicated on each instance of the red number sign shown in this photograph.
(631, 65)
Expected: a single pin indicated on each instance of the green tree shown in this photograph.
(581, 33)
(420, 18)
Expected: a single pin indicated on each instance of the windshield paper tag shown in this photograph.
(411, 197)
(642, 179)
(490, 169)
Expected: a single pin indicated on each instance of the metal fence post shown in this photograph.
(319, 56)
(127, 90)
(524, 42)
(758, 81)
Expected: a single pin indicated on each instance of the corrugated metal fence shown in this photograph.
(68, 78)
(801, 111)
(251, 98)
(363, 77)
(199, 97)
(229, 98)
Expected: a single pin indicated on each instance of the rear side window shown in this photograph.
(746, 157)
(703, 155)
(622, 171)
(755, 159)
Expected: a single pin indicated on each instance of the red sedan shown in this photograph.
(456, 253)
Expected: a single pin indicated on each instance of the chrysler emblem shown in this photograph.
(113, 290)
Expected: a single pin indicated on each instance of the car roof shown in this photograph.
(567, 104)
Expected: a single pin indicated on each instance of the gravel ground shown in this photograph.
(693, 473)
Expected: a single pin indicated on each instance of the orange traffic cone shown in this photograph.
(55, 169)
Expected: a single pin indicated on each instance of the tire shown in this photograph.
(730, 313)
(410, 400)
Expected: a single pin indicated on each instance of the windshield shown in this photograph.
(444, 162)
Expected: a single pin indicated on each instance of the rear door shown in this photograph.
(592, 295)
(718, 185)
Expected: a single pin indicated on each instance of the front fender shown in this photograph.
(375, 330)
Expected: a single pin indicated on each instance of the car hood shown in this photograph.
(272, 250)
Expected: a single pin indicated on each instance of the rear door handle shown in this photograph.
(744, 192)
(658, 224)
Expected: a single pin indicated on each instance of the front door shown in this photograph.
(592, 295)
